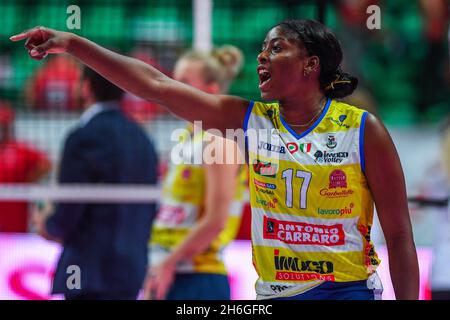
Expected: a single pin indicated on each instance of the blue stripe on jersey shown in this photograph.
(246, 119)
(361, 140)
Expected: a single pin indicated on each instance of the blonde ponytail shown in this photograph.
(221, 65)
(230, 58)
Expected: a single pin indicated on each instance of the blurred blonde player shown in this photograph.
(201, 209)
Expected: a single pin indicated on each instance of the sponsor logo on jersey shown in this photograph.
(293, 269)
(266, 169)
(338, 212)
(305, 147)
(331, 141)
(337, 187)
(268, 204)
(370, 256)
(265, 191)
(337, 179)
(264, 184)
(171, 214)
(303, 233)
(279, 288)
(340, 121)
(330, 157)
(292, 147)
(271, 147)
(336, 193)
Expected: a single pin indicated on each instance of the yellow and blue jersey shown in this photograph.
(312, 209)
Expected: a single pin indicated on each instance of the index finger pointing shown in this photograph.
(19, 36)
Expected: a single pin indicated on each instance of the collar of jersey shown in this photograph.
(315, 124)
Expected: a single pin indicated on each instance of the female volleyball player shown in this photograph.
(201, 208)
(327, 162)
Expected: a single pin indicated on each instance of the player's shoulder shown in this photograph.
(265, 109)
(342, 107)
(343, 111)
(341, 116)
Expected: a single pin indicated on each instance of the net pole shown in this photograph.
(202, 16)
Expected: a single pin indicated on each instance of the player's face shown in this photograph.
(191, 73)
(280, 65)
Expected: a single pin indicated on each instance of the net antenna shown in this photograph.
(202, 16)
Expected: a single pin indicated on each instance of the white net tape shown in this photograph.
(81, 193)
(88, 193)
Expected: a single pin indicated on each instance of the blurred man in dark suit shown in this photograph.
(107, 242)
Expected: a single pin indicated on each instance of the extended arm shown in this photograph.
(216, 111)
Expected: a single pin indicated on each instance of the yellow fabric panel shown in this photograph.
(168, 238)
(187, 185)
(230, 231)
(334, 124)
(281, 265)
(303, 191)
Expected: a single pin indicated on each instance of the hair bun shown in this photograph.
(231, 58)
(339, 84)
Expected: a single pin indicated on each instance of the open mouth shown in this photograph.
(264, 79)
